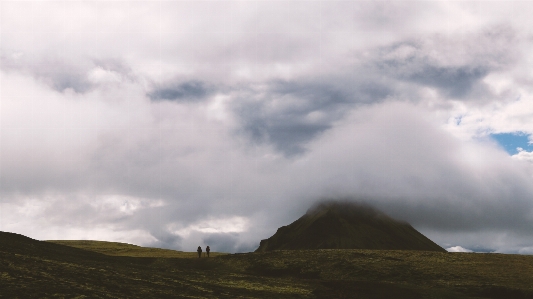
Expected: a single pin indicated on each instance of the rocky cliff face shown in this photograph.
(345, 225)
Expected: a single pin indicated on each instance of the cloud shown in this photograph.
(458, 249)
(454, 82)
(227, 242)
(523, 155)
(80, 75)
(54, 72)
(526, 250)
(165, 123)
(289, 114)
(186, 91)
(454, 65)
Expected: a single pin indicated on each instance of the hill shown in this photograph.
(22, 245)
(124, 249)
(38, 269)
(345, 225)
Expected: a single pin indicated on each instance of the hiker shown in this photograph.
(199, 251)
(207, 249)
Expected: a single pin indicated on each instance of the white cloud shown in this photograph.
(458, 249)
(100, 75)
(526, 250)
(523, 155)
(52, 218)
(234, 224)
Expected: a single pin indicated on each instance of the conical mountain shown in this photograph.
(345, 225)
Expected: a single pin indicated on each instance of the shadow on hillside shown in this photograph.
(497, 292)
(364, 289)
(265, 269)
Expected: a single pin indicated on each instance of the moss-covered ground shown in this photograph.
(36, 269)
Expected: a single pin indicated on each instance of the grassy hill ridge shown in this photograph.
(38, 269)
(125, 249)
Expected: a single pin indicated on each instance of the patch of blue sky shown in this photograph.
(511, 142)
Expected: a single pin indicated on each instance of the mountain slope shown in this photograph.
(343, 225)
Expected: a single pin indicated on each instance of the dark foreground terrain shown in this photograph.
(37, 269)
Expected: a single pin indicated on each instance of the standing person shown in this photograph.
(199, 250)
(207, 249)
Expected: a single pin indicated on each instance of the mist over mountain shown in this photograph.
(347, 225)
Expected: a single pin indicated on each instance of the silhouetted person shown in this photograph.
(199, 250)
(207, 249)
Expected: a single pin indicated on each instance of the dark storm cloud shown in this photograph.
(289, 114)
(329, 93)
(455, 67)
(79, 75)
(286, 130)
(453, 82)
(190, 91)
(62, 80)
(55, 73)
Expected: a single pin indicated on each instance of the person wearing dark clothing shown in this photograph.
(207, 249)
(199, 250)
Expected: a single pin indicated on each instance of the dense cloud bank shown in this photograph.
(175, 124)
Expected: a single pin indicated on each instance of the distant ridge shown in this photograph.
(22, 245)
(347, 225)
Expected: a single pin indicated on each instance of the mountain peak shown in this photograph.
(347, 225)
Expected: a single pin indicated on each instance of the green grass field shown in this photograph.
(37, 269)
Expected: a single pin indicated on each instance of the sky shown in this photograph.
(514, 142)
(176, 124)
